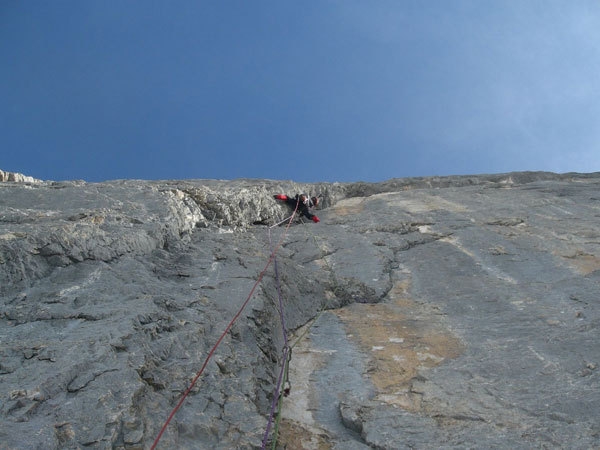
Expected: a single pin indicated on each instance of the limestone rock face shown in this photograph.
(17, 177)
(449, 312)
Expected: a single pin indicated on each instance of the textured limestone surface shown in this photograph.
(17, 177)
(441, 312)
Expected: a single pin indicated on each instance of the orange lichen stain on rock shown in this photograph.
(402, 338)
(294, 435)
(583, 262)
(349, 206)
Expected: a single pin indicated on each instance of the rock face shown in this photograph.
(17, 177)
(453, 312)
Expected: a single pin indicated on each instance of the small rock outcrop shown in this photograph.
(17, 177)
(441, 312)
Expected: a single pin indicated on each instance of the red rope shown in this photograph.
(214, 348)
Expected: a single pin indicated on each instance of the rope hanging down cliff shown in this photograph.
(286, 350)
(229, 326)
(283, 378)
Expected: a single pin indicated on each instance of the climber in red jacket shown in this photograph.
(303, 201)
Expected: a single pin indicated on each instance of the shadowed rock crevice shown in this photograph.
(437, 312)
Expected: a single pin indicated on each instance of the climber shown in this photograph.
(303, 201)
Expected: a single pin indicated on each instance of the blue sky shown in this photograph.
(311, 90)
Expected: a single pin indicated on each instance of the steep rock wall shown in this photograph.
(451, 311)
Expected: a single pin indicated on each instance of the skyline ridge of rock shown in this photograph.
(413, 181)
(17, 177)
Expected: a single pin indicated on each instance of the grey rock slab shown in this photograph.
(461, 312)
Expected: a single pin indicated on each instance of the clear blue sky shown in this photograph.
(313, 90)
